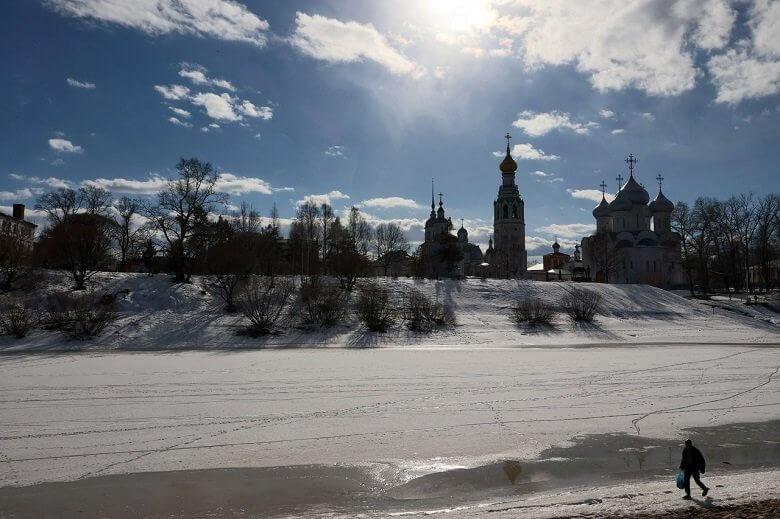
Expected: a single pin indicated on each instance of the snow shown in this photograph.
(156, 314)
(170, 386)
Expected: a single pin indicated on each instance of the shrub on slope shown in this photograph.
(17, 318)
(532, 311)
(376, 307)
(82, 316)
(422, 313)
(264, 302)
(581, 304)
(323, 301)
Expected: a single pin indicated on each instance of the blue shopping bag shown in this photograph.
(681, 479)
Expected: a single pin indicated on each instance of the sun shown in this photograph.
(458, 16)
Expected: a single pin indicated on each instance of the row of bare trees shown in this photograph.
(176, 231)
(729, 244)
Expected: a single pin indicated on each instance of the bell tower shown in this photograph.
(510, 260)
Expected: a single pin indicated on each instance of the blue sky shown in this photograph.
(364, 102)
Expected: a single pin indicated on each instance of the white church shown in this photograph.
(626, 248)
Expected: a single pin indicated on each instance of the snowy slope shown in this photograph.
(157, 314)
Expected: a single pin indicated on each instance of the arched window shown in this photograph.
(506, 211)
(514, 210)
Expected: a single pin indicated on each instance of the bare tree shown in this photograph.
(359, 231)
(63, 203)
(305, 231)
(389, 238)
(682, 224)
(246, 219)
(606, 257)
(326, 220)
(768, 230)
(177, 206)
(14, 255)
(130, 236)
(746, 226)
(80, 244)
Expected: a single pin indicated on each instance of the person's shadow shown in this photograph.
(704, 503)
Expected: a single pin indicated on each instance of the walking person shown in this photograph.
(692, 464)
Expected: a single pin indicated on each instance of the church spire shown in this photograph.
(508, 165)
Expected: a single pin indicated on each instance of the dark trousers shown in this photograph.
(695, 474)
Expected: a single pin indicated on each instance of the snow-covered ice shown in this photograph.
(417, 416)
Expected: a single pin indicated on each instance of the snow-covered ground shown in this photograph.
(156, 314)
(418, 423)
(572, 417)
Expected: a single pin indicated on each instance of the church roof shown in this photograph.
(661, 204)
(636, 193)
(508, 165)
(602, 209)
(621, 202)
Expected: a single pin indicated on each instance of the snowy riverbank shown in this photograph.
(158, 315)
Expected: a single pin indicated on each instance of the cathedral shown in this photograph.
(448, 256)
(624, 248)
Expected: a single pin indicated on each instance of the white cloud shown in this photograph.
(64, 145)
(227, 183)
(527, 152)
(180, 112)
(19, 194)
(57, 162)
(332, 40)
(335, 151)
(236, 185)
(52, 182)
(440, 72)
(741, 74)
(590, 194)
(220, 19)
(325, 198)
(537, 124)
(391, 202)
(617, 131)
(647, 115)
(173, 92)
(569, 230)
(177, 122)
(250, 110)
(259, 136)
(607, 114)
(648, 45)
(197, 75)
(80, 84)
(149, 186)
(283, 189)
(218, 106)
(539, 173)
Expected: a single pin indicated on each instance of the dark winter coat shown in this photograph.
(692, 460)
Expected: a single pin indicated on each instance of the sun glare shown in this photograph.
(458, 16)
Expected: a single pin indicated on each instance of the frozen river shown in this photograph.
(399, 413)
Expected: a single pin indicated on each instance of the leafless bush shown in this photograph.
(323, 301)
(581, 304)
(82, 316)
(263, 303)
(17, 318)
(422, 313)
(532, 311)
(376, 307)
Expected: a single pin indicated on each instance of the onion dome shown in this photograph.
(556, 246)
(508, 165)
(661, 204)
(462, 232)
(621, 202)
(602, 209)
(635, 193)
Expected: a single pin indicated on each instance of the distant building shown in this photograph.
(624, 248)
(556, 259)
(508, 259)
(446, 255)
(15, 225)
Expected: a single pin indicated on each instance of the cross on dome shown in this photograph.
(619, 179)
(507, 137)
(603, 187)
(660, 180)
(631, 161)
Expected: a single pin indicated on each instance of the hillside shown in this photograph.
(157, 314)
